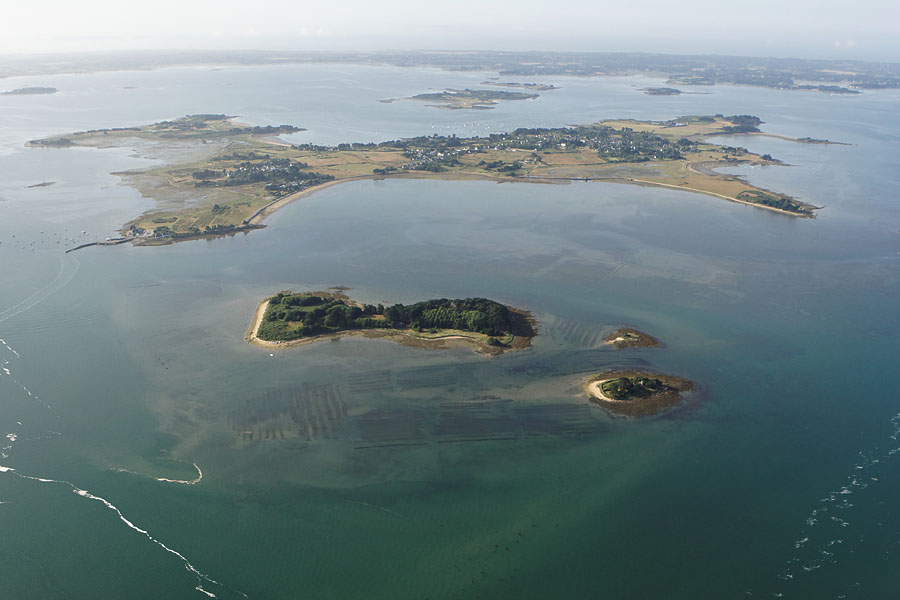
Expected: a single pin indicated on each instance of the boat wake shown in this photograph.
(68, 267)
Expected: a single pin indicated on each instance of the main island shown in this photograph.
(291, 319)
(229, 177)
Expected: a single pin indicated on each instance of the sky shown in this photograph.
(861, 29)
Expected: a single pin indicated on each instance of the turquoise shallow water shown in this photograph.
(447, 474)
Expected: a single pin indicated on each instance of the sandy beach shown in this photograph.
(722, 196)
(596, 389)
(258, 217)
(254, 326)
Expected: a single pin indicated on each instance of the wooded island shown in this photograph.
(297, 317)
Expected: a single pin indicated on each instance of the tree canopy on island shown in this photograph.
(628, 388)
(293, 316)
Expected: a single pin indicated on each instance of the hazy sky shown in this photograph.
(864, 29)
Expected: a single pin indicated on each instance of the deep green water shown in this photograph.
(445, 474)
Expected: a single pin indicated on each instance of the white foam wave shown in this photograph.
(6, 371)
(193, 481)
(827, 519)
(10, 348)
(33, 395)
(27, 391)
(201, 577)
(124, 519)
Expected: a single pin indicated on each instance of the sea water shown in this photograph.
(447, 474)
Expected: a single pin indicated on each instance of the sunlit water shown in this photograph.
(445, 474)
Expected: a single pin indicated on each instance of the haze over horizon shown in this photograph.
(864, 30)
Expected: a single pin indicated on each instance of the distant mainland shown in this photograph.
(836, 76)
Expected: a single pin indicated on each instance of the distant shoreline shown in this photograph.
(781, 73)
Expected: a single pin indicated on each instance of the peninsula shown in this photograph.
(290, 319)
(636, 393)
(235, 175)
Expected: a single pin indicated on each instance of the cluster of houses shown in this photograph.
(606, 141)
